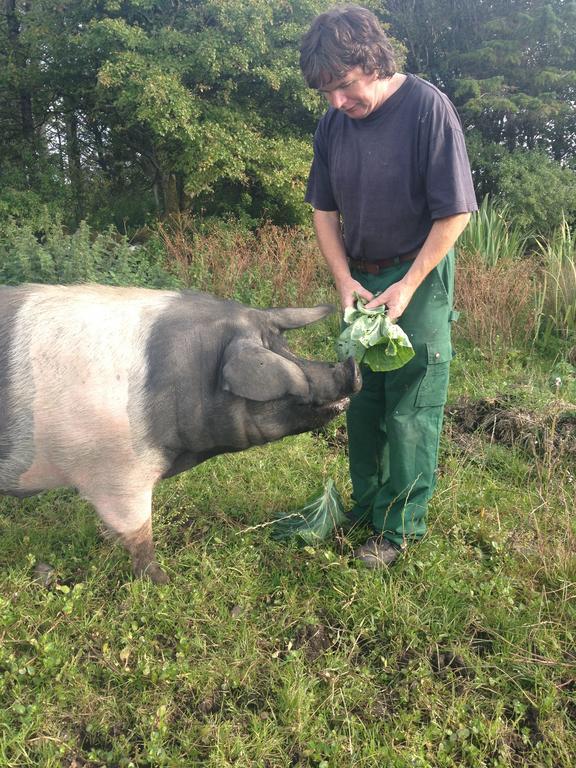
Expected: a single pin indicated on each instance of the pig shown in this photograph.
(108, 390)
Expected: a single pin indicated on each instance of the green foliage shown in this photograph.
(119, 112)
(47, 199)
(53, 256)
(315, 521)
(191, 106)
(537, 192)
(371, 338)
(510, 67)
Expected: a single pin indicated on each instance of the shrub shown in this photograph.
(537, 190)
(53, 255)
(540, 192)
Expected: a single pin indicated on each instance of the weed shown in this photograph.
(272, 266)
(496, 302)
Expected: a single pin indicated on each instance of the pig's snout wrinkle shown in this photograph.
(353, 370)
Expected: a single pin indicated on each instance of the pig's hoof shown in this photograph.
(153, 572)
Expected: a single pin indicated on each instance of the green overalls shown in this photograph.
(394, 422)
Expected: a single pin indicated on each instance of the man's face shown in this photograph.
(356, 94)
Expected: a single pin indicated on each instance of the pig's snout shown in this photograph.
(353, 375)
(352, 384)
(332, 383)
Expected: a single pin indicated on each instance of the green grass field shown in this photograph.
(261, 654)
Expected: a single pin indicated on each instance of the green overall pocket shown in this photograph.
(433, 387)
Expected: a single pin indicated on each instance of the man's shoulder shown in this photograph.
(427, 91)
(431, 99)
(329, 126)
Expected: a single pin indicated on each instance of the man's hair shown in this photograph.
(341, 39)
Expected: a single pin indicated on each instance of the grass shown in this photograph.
(264, 654)
(261, 654)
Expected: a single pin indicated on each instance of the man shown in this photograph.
(392, 191)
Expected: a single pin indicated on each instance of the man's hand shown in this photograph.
(396, 297)
(347, 288)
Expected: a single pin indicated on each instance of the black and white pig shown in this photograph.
(108, 390)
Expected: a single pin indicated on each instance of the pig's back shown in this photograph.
(72, 371)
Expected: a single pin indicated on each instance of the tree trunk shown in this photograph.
(75, 164)
(170, 193)
(25, 97)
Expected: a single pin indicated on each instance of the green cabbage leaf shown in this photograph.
(371, 338)
(315, 520)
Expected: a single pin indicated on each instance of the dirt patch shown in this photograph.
(444, 661)
(376, 710)
(335, 437)
(210, 704)
(552, 431)
(527, 733)
(481, 642)
(314, 640)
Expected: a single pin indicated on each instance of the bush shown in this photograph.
(538, 191)
(270, 266)
(52, 255)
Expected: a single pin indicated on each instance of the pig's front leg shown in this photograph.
(141, 547)
(130, 518)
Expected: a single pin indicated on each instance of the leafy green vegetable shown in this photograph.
(315, 520)
(373, 339)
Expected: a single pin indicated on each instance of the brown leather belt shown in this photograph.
(374, 267)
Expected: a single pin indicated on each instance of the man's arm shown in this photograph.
(329, 236)
(441, 238)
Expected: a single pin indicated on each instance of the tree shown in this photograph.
(509, 65)
(172, 103)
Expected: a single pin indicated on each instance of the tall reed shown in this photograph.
(491, 237)
(556, 293)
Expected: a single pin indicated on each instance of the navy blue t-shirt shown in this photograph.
(392, 173)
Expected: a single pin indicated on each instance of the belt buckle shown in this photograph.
(372, 268)
(363, 265)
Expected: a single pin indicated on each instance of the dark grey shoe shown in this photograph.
(377, 552)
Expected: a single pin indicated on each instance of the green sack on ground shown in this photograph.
(316, 520)
(371, 338)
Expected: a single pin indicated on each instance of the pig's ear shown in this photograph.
(284, 319)
(256, 373)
